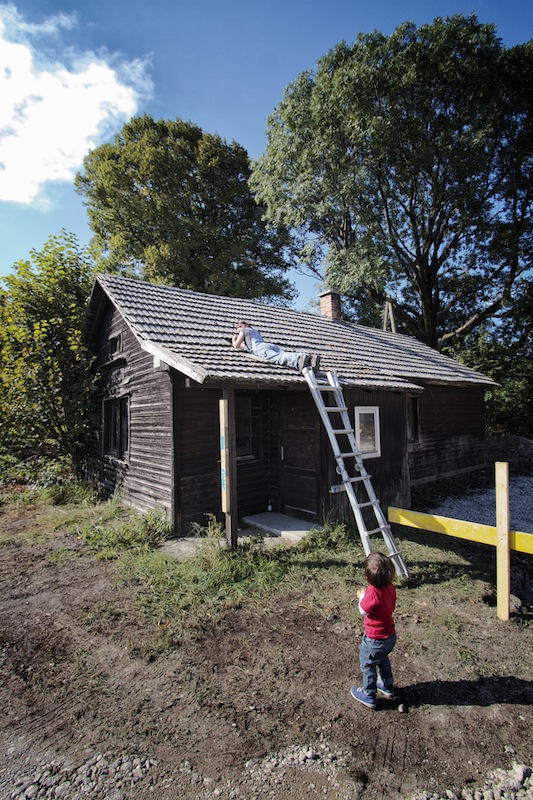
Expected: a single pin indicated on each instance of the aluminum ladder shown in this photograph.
(345, 432)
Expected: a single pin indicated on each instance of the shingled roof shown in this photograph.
(192, 333)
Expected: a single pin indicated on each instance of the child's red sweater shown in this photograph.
(378, 605)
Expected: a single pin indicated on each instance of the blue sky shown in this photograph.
(71, 74)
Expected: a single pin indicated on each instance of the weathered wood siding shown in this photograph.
(292, 467)
(389, 472)
(451, 433)
(300, 465)
(197, 455)
(145, 474)
(257, 477)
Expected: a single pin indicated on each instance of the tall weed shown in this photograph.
(331, 536)
(139, 534)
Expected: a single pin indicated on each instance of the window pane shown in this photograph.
(412, 419)
(114, 345)
(367, 432)
(124, 426)
(243, 426)
(116, 427)
(115, 435)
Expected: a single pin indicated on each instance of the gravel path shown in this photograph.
(98, 778)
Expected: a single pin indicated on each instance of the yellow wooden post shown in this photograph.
(224, 455)
(228, 467)
(503, 553)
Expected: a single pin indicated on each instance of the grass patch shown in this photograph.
(42, 478)
(182, 597)
(178, 600)
(139, 534)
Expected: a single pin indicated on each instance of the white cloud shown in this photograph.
(53, 112)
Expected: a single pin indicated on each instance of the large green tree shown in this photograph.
(404, 164)
(172, 202)
(503, 349)
(45, 376)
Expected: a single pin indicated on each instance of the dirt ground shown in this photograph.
(259, 706)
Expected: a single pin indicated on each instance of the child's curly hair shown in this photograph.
(379, 570)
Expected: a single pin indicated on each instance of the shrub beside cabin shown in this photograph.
(165, 360)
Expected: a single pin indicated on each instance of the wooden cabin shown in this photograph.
(166, 362)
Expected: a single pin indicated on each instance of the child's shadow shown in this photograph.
(479, 692)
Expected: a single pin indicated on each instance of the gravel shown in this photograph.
(480, 506)
(513, 784)
(101, 777)
(108, 777)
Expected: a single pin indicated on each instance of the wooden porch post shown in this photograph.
(503, 555)
(228, 464)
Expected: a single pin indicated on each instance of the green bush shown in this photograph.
(42, 478)
(36, 472)
(70, 494)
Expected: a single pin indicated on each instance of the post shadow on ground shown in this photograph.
(486, 691)
(479, 559)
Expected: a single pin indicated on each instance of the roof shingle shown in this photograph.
(192, 332)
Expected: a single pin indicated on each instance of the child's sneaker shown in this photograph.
(388, 693)
(364, 698)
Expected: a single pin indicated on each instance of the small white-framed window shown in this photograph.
(367, 431)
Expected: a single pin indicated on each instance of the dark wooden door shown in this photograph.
(300, 455)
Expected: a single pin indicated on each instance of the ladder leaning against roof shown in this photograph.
(351, 452)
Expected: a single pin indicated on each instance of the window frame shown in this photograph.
(240, 419)
(374, 411)
(114, 345)
(413, 419)
(116, 427)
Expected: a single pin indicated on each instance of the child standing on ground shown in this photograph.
(377, 603)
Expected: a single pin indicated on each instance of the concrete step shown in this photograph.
(280, 525)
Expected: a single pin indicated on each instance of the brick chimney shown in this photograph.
(330, 304)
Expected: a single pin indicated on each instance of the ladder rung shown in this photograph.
(370, 503)
(348, 455)
(338, 431)
(378, 530)
(335, 408)
(341, 487)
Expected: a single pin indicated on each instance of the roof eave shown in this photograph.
(182, 365)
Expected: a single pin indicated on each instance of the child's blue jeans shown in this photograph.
(374, 656)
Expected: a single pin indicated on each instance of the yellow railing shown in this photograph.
(500, 536)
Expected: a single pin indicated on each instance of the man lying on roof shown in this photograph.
(249, 338)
